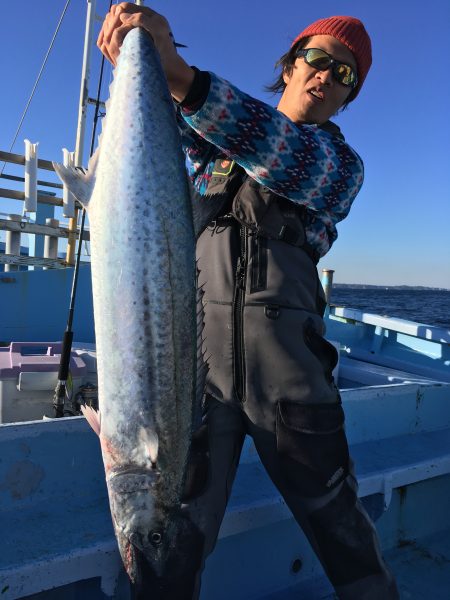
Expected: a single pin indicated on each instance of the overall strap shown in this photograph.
(272, 216)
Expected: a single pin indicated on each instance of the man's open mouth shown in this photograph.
(317, 94)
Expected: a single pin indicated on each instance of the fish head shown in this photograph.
(161, 547)
(136, 520)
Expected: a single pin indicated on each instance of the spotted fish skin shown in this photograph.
(143, 278)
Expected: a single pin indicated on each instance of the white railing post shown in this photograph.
(13, 243)
(51, 241)
(30, 177)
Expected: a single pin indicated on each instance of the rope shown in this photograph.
(38, 79)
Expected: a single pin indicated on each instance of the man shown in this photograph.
(270, 186)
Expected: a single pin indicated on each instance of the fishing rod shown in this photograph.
(64, 364)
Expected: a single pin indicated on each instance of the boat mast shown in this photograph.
(82, 111)
(84, 88)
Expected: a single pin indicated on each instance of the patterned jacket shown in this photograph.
(306, 164)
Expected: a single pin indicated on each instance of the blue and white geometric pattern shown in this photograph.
(305, 164)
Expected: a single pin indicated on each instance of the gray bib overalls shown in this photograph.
(270, 376)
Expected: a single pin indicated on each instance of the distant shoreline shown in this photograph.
(364, 286)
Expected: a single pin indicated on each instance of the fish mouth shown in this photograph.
(177, 582)
(145, 581)
(170, 573)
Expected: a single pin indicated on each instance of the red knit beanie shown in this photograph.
(350, 32)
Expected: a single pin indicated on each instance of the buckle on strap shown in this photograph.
(272, 311)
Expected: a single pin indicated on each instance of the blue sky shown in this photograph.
(397, 231)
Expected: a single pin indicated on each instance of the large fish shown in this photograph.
(143, 276)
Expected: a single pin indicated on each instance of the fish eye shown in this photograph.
(156, 538)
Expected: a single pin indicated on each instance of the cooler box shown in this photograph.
(28, 377)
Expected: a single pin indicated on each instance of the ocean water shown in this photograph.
(423, 306)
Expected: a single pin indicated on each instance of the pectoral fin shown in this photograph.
(92, 417)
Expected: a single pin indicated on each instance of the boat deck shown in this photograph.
(57, 532)
(419, 566)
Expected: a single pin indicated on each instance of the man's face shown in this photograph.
(313, 96)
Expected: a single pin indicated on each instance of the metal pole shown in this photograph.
(84, 87)
(327, 283)
(84, 95)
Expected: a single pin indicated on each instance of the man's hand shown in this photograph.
(125, 16)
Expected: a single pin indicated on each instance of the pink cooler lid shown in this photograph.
(27, 357)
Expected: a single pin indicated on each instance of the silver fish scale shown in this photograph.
(143, 265)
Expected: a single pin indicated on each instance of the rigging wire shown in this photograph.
(37, 79)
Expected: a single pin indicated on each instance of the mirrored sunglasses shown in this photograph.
(321, 60)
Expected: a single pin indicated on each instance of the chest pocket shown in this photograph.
(226, 177)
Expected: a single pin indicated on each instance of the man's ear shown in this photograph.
(287, 72)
